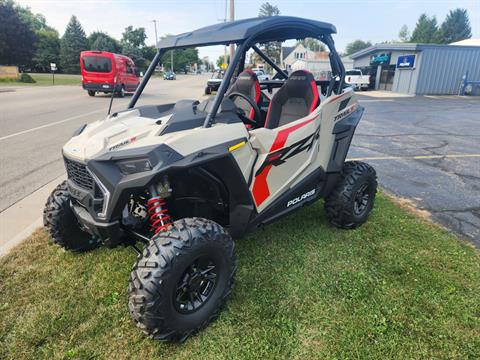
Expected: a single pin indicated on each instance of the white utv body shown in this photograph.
(186, 178)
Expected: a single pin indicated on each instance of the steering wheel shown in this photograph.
(256, 111)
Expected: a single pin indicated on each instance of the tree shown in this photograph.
(355, 46)
(72, 43)
(181, 59)
(149, 52)
(456, 27)
(48, 50)
(312, 44)
(17, 39)
(271, 49)
(134, 37)
(103, 42)
(404, 34)
(267, 9)
(426, 30)
(221, 60)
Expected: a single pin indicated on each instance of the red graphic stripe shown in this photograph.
(260, 188)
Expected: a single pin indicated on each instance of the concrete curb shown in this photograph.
(21, 219)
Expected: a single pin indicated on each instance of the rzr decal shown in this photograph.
(277, 156)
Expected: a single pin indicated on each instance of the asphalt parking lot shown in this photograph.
(427, 150)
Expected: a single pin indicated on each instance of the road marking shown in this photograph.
(416, 157)
(50, 124)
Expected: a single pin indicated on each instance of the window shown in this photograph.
(129, 67)
(353, 72)
(97, 64)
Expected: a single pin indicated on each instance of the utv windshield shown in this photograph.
(100, 64)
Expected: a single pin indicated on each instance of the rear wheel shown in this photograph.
(91, 93)
(181, 281)
(208, 91)
(62, 224)
(351, 201)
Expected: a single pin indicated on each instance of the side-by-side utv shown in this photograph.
(186, 178)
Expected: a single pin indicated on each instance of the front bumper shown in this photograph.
(110, 232)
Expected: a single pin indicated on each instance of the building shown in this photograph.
(320, 66)
(419, 68)
(290, 54)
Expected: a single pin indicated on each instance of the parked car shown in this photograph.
(214, 82)
(103, 71)
(357, 80)
(169, 75)
(261, 74)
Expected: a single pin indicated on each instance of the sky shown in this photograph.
(373, 20)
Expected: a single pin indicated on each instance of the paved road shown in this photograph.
(447, 187)
(35, 122)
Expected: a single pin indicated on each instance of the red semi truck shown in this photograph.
(104, 71)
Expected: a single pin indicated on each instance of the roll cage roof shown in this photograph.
(260, 29)
(245, 34)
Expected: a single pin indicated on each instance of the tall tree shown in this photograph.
(100, 41)
(17, 39)
(73, 42)
(312, 44)
(456, 27)
(404, 34)
(181, 59)
(355, 46)
(271, 49)
(426, 30)
(267, 9)
(134, 37)
(48, 50)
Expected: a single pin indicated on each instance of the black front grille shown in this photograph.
(78, 173)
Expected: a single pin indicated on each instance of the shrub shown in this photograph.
(25, 78)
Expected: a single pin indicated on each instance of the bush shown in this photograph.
(25, 78)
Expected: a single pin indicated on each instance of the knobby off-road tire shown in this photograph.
(162, 269)
(351, 201)
(62, 224)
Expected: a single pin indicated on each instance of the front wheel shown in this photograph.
(351, 201)
(62, 224)
(182, 280)
(208, 91)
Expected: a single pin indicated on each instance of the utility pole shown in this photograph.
(232, 18)
(156, 36)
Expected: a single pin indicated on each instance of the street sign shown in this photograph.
(406, 62)
(53, 67)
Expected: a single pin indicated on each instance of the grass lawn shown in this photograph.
(46, 80)
(397, 288)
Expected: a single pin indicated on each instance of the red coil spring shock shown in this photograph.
(158, 213)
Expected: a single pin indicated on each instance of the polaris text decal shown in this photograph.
(123, 143)
(301, 198)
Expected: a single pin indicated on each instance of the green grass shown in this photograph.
(45, 80)
(397, 288)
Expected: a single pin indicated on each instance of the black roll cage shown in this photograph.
(335, 85)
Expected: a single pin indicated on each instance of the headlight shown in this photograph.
(129, 167)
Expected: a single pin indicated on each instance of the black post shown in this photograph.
(269, 62)
(146, 77)
(224, 85)
(53, 77)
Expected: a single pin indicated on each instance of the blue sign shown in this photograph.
(406, 62)
(380, 59)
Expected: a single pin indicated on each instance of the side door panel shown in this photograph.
(283, 155)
